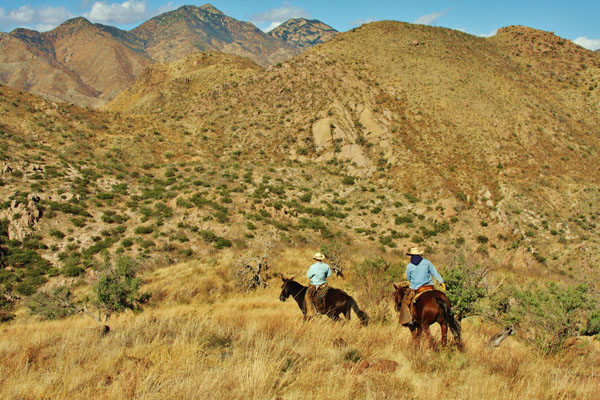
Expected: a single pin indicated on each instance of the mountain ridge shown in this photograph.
(65, 58)
(303, 33)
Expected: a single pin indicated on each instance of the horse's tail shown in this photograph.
(364, 318)
(453, 324)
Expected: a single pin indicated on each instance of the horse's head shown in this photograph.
(285, 289)
(401, 290)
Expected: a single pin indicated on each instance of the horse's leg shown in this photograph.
(425, 328)
(444, 330)
(416, 334)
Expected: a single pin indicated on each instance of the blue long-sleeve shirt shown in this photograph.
(318, 273)
(419, 275)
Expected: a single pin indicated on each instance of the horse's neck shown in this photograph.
(298, 292)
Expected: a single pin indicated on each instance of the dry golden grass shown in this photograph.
(226, 345)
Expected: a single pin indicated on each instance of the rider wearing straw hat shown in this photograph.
(419, 273)
(315, 295)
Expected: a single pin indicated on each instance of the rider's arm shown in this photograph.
(435, 274)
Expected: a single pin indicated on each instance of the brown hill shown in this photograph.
(171, 83)
(189, 29)
(88, 64)
(303, 33)
(77, 62)
(27, 66)
(432, 112)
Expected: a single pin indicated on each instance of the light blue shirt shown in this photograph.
(318, 273)
(419, 275)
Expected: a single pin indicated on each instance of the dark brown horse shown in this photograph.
(431, 307)
(336, 301)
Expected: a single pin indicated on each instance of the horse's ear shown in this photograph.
(284, 280)
(395, 287)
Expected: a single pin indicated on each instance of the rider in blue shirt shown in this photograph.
(315, 295)
(419, 273)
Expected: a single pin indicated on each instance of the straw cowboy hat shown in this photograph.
(318, 256)
(415, 251)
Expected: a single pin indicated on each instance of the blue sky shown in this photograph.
(578, 20)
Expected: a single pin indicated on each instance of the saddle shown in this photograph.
(317, 295)
(418, 293)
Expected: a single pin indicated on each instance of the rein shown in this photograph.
(297, 294)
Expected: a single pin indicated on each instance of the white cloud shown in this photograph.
(273, 25)
(46, 17)
(53, 16)
(117, 13)
(430, 19)
(163, 9)
(23, 14)
(492, 33)
(590, 44)
(283, 13)
(44, 27)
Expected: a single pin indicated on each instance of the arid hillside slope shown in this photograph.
(429, 111)
(170, 83)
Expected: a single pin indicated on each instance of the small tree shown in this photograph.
(251, 271)
(374, 278)
(6, 306)
(336, 257)
(117, 290)
(466, 285)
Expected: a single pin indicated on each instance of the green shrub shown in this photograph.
(348, 180)
(126, 242)
(465, 287)
(54, 304)
(117, 289)
(554, 313)
(56, 233)
(374, 278)
(78, 222)
(222, 243)
(143, 230)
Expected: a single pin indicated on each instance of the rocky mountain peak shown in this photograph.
(210, 8)
(301, 32)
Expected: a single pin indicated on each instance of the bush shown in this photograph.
(56, 304)
(222, 243)
(348, 180)
(553, 314)
(375, 277)
(56, 233)
(465, 287)
(117, 289)
(143, 230)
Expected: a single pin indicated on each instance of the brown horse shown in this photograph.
(336, 301)
(431, 307)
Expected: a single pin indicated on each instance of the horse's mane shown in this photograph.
(297, 285)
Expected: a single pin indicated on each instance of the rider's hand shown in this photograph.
(443, 287)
